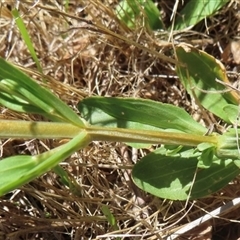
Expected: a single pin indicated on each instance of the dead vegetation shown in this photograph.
(84, 50)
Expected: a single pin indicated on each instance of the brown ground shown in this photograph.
(86, 51)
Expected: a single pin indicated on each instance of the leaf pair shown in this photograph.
(20, 93)
(180, 173)
(120, 111)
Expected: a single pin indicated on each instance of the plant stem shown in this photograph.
(27, 129)
(147, 136)
(30, 129)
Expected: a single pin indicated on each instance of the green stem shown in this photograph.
(147, 136)
(26, 129)
(29, 129)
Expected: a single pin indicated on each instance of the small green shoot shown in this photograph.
(130, 11)
(23, 30)
(110, 218)
(66, 5)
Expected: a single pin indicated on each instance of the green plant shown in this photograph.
(129, 11)
(25, 36)
(110, 218)
(169, 171)
(194, 11)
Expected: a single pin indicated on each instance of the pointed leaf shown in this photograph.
(97, 117)
(195, 11)
(18, 170)
(160, 115)
(26, 37)
(17, 83)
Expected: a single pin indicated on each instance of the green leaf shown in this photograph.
(68, 180)
(195, 11)
(172, 150)
(128, 12)
(106, 211)
(206, 158)
(198, 71)
(18, 170)
(16, 103)
(110, 218)
(97, 117)
(172, 177)
(232, 112)
(152, 15)
(237, 163)
(213, 179)
(26, 37)
(228, 144)
(147, 112)
(20, 88)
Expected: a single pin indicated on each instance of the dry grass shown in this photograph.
(85, 51)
